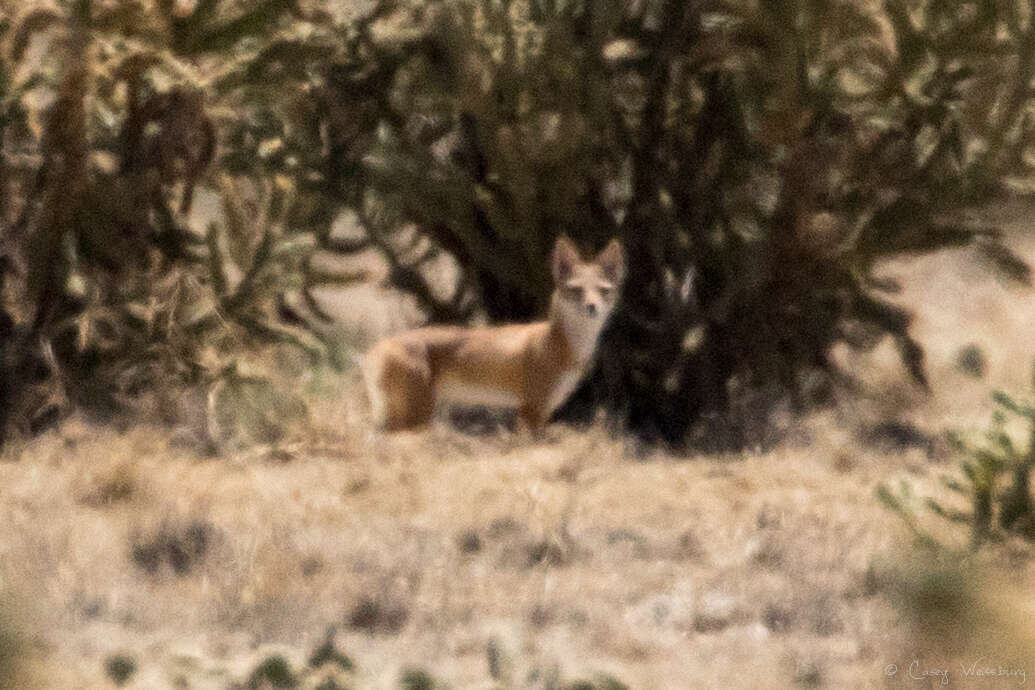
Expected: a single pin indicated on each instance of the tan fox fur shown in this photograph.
(532, 368)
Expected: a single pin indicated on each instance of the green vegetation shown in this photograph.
(995, 481)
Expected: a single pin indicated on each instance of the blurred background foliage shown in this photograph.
(758, 159)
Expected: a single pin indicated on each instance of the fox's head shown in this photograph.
(587, 290)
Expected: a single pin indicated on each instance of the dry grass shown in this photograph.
(567, 558)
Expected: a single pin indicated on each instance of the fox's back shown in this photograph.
(487, 356)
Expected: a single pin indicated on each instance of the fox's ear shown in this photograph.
(565, 257)
(612, 260)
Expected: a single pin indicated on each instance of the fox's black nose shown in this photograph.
(592, 309)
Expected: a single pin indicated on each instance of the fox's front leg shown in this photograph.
(534, 420)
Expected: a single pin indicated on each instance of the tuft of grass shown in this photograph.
(182, 547)
(504, 526)
(330, 684)
(770, 555)
(498, 662)
(10, 648)
(327, 653)
(117, 485)
(824, 616)
(417, 679)
(777, 618)
(546, 552)
(707, 623)
(373, 616)
(469, 542)
(971, 361)
(311, 565)
(871, 581)
(689, 547)
(120, 668)
(601, 682)
(808, 675)
(540, 615)
(273, 671)
(845, 462)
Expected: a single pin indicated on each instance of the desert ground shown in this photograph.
(498, 561)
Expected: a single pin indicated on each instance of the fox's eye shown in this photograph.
(606, 293)
(573, 292)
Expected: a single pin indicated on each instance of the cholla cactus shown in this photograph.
(108, 289)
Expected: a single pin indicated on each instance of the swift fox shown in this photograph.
(532, 368)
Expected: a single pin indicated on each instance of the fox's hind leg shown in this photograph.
(399, 386)
(371, 368)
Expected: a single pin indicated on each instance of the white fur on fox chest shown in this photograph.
(563, 389)
(582, 332)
